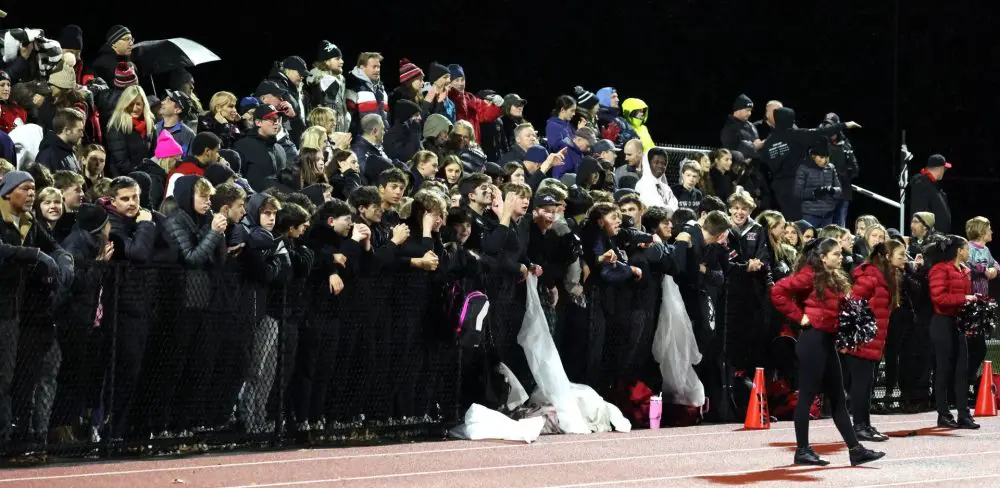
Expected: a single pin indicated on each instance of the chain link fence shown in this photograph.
(147, 360)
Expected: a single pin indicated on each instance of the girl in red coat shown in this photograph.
(811, 298)
(951, 289)
(877, 280)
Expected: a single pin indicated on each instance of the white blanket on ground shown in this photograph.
(675, 349)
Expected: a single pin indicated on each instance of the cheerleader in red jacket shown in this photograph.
(877, 280)
(951, 289)
(811, 297)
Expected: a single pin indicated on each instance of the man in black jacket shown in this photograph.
(117, 48)
(843, 159)
(262, 159)
(739, 134)
(23, 292)
(134, 236)
(56, 150)
(290, 74)
(926, 194)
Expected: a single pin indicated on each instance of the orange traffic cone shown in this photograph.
(986, 402)
(758, 418)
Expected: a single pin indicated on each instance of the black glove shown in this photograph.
(50, 267)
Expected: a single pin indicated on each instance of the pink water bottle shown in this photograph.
(655, 411)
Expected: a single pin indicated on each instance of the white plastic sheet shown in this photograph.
(517, 395)
(579, 408)
(482, 423)
(545, 365)
(675, 349)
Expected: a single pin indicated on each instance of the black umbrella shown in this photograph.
(161, 56)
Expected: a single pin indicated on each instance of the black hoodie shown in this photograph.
(402, 140)
(55, 154)
(786, 148)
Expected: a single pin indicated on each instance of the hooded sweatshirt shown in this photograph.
(402, 140)
(55, 154)
(786, 148)
(655, 192)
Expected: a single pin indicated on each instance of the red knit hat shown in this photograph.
(125, 75)
(408, 70)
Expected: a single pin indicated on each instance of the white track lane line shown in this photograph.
(751, 471)
(583, 461)
(924, 482)
(421, 452)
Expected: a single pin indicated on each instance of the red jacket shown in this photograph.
(473, 109)
(10, 113)
(870, 284)
(786, 295)
(949, 286)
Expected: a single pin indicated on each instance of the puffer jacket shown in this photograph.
(949, 286)
(822, 311)
(870, 284)
(190, 234)
(810, 177)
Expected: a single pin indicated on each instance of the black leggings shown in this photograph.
(819, 371)
(859, 374)
(951, 355)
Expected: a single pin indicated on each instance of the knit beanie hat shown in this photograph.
(125, 75)
(408, 70)
(584, 99)
(328, 50)
(166, 146)
(742, 102)
(10, 181)
(66, 77)
(71, 37)
(91, 218)
(436, 71)
(456, 71)
(116, 32)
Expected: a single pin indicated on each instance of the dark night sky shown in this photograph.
(687, 59)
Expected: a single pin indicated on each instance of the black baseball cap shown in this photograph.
(545, 201)
(295, 63)
(266, 112)
(182, 100)
(514, 100)
(268, 87)
(938, 161)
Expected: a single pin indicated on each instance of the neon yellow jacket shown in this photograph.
(629, 107)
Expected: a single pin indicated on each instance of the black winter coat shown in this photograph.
(126, 151)
(263, 159)
(809, 178)
(738, 135)
(926, 195)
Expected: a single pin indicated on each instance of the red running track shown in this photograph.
(919, 454)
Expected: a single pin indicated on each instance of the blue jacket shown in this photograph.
(558, 133)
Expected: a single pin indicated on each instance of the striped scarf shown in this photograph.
(47, 51)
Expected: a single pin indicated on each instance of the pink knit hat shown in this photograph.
(167, 147)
